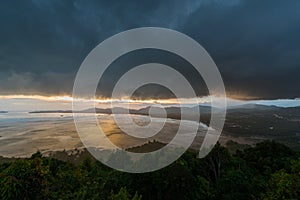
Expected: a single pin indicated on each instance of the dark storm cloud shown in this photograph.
(135, 58)
(254, 43)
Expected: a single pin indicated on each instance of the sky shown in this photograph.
(254, 43)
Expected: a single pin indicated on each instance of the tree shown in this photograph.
(124, 195)
(283, 185)
(214, 162)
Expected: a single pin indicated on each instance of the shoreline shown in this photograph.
(76, 155)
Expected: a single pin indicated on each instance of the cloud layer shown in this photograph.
(254, 43)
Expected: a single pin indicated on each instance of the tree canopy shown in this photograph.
(268, 170)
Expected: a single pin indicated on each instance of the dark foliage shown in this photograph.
(267, 171)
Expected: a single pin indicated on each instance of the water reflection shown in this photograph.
(22, 134)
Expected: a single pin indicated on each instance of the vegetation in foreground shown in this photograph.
(267, 171)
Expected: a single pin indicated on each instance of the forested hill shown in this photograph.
(267, 171)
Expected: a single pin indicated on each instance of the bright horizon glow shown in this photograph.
(64, 102)
(98, 100)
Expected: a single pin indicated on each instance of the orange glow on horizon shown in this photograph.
(66, 98)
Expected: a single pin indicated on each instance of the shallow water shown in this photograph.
(22, 134)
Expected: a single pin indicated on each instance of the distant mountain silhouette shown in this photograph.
(253, 107)
(246, 108)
